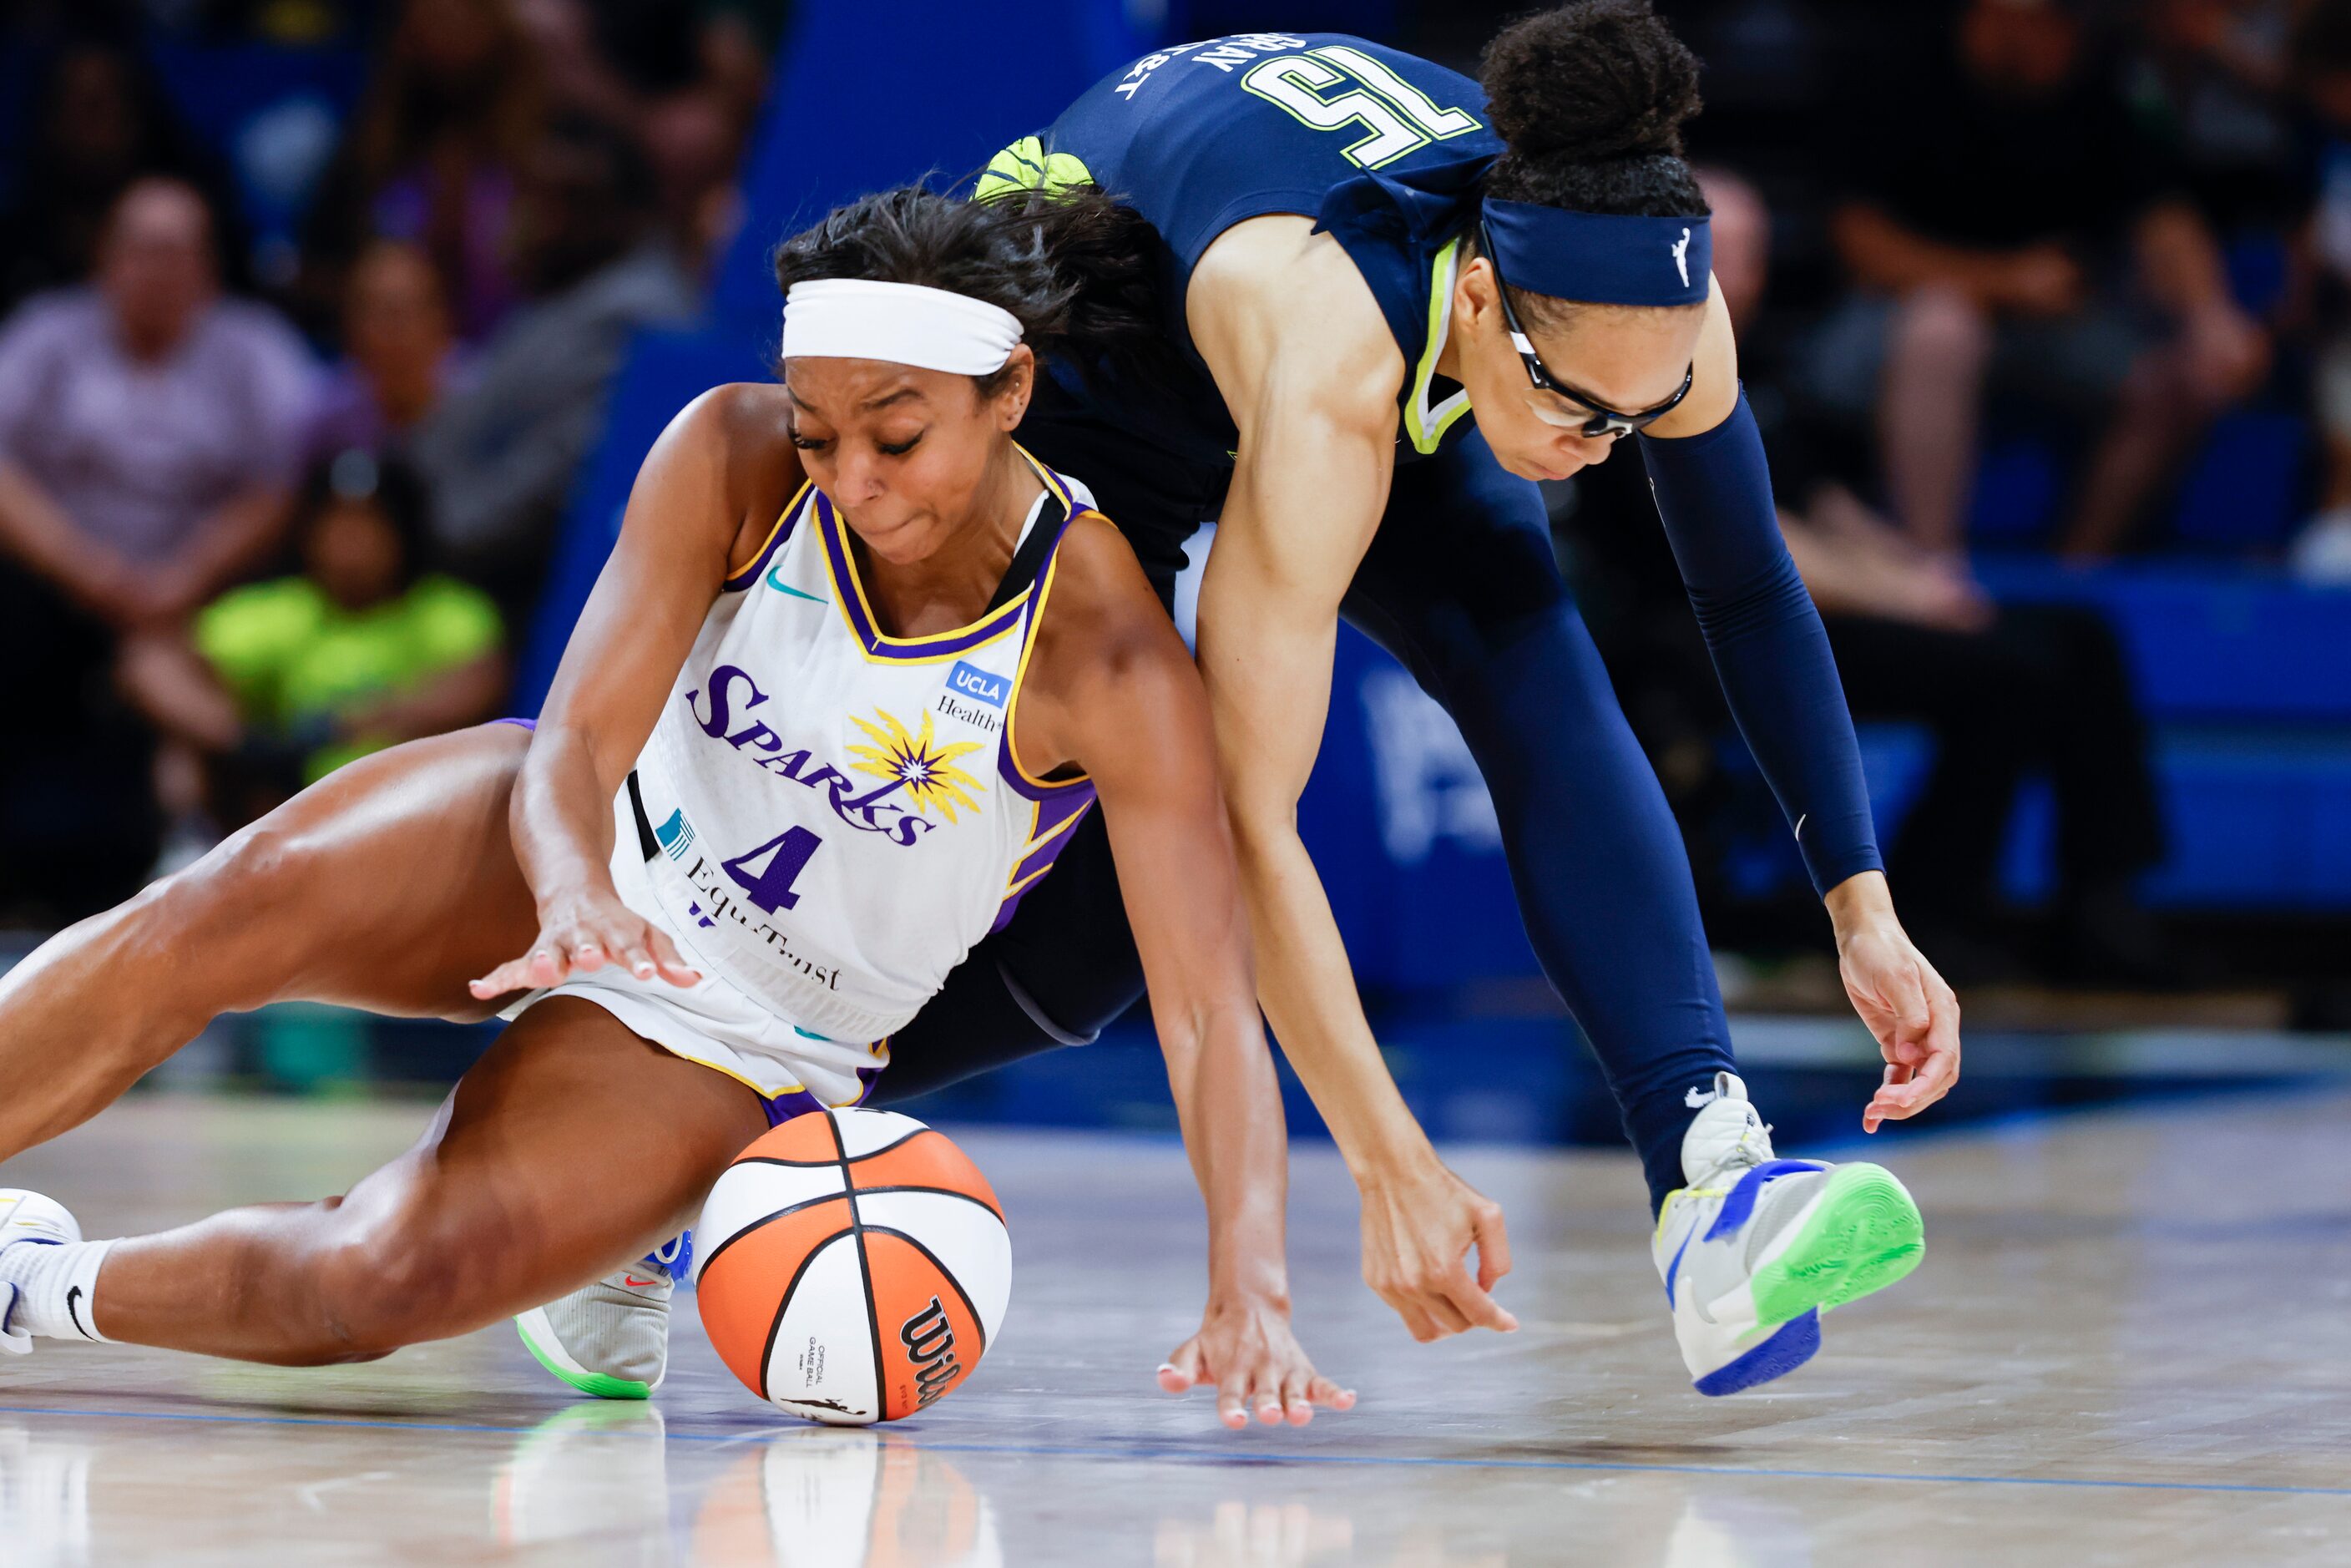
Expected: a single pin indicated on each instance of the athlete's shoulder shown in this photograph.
(1107, 659)
(1100, 607)
(1095, 572)
(1271, 290)
(739, 415)
(740, 434)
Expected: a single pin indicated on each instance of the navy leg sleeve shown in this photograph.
(1460, 585)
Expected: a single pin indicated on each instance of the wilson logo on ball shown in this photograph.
(854, 1266)
(930, 1345)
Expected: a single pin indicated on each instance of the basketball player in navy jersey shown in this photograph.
(1405, 296)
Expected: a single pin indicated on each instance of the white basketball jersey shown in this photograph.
(837, 813)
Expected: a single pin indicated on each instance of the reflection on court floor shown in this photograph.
(2130, 1343)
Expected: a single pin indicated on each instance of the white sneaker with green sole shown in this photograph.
(1756, 1248)
(611, 1339)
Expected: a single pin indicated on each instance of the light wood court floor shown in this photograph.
(2130, 1343)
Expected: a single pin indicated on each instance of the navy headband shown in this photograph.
(1601, 258)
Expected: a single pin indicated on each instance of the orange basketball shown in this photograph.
(853, 1266)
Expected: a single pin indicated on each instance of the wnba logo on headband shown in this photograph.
(1602, 258)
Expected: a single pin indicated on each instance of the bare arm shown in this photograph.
(36, 531)
(2229, 353)
(231, 540)
(2182, 265)
(1309, 372)
(1116, 691)
(166, 679)
(1885, 254)
(685, 517)
(462, 695)
(1854, 562)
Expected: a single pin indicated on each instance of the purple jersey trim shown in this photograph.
(528, 723)
(1057, 821)
(870, 637)
(799, 1101)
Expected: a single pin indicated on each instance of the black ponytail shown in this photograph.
(1590, 100)
(1073, 268)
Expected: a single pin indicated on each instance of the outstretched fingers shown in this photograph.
(1269, 1378)
(1923, 1052)
(1180, 1372)
(667, 962)
(584, 945)
(1304, 1388)
(545, 964)
(1493, 1250)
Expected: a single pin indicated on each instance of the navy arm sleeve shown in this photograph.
(1769, 653)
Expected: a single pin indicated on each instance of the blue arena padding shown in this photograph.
(849, 115)
(2245, 490)
(2209, 643)
(2018, 488)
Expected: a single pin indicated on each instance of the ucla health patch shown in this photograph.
(968, 680)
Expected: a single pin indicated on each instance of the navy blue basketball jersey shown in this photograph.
(1384, 150)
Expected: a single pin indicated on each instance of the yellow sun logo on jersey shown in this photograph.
(922, 767)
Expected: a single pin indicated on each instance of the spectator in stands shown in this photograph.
(400, 349)
(2002, 199)
(2210, 78)
(687, 79)
(502, 454)
(148, 425)
(2006, 690)
(434, 157)
(98, 119)
(148, 428)
(2321, 59)
(277, 683)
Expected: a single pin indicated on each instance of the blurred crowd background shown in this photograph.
(330, 329)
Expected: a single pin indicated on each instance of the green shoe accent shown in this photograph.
(598, 1384)
(1864, 1235)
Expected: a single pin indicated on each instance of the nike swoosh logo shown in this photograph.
(780, 586)
(1675, 1267)
(632, 1279)
(73, 1310)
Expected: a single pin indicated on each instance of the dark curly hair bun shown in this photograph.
(1591, 99)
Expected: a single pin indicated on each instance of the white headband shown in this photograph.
(904, 323)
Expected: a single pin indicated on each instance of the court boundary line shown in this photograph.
(1136, 1452)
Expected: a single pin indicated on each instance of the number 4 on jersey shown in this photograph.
(1397, 116)
(771, 889)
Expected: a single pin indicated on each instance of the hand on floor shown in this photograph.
(1245, 1350)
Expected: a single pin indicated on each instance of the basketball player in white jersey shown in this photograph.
(856, 667)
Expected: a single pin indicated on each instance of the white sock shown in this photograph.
(55, 1285)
